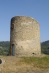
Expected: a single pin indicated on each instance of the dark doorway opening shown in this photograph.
(13, 49)
(0, 61)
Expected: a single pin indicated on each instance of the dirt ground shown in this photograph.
(11, 64)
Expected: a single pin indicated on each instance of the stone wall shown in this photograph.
(25, 35)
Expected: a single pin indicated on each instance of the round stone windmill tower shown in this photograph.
(24, 36)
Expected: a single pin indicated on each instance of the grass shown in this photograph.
(42, 62)
(15, 64)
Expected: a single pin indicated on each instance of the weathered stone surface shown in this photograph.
(25, 35)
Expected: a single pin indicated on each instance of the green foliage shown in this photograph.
(4, 47)
(45, 47)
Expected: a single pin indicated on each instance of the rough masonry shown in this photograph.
(24, 36)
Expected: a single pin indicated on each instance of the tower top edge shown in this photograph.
(15, 17)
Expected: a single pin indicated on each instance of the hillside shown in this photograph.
(45, 47)
(5, 45)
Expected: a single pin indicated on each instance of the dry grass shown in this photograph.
(15, 64)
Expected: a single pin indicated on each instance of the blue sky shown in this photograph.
(38, 9)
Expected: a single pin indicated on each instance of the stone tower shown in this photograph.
(24, 36)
